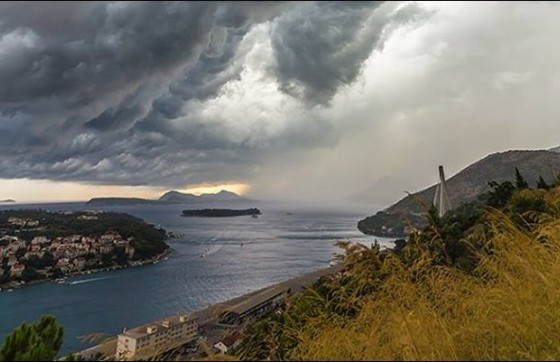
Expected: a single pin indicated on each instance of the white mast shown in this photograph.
(441, 197)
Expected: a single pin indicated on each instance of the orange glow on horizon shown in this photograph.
(238, 188)
(32, 191)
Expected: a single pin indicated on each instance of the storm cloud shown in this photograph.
(116, 92)
(291, 97)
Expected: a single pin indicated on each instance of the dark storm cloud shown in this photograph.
(112, 45)
(115, 92)
(322, 46)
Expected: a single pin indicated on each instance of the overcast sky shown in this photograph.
(296, 100)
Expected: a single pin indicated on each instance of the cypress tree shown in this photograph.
(520, 182)
(541, 184)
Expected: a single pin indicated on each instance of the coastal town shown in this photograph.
(31, 250)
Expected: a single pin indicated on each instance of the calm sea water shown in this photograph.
(209, 266)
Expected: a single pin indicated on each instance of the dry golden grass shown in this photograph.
(510, 311)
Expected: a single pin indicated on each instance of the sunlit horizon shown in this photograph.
(26, 191)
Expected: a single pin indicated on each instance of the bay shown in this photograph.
(216, 259)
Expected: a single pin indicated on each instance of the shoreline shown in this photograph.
(206, 314)
(156, 259)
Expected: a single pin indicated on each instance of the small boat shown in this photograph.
(10, 290)
(60, 280)
(254, 216)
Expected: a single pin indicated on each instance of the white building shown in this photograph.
(229, 342)
(39, 240)
(156, 338)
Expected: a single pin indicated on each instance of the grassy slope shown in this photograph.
(416, 306)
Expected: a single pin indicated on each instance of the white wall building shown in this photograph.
(156, 338)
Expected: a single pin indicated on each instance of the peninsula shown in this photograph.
(221, 212)
(40, 245)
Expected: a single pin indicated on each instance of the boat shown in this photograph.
(254, 216)
(60, 280)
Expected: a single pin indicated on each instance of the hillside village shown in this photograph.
(31, 250)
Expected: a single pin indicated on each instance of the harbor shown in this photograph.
(217, 322)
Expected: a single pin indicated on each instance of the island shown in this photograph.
(220, 212)
(170, 198)
(7, 201)
(39, 245)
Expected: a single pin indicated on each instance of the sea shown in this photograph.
(214, 260)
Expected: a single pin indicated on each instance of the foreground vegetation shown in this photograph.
(481, 283)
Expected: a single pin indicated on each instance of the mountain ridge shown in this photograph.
(464, 186)
(170, 197)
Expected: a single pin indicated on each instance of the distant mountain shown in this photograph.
(176, 197)
(121, 201)
(555, 149)
(466, 186)
(170, 197)
(7, 200)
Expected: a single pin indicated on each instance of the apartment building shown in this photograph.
(156, 338)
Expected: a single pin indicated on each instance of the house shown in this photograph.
(35, 247)
(39, 240)
(29, 254)
(16, 245)
(80, 263)
(17, 269)
(12, 260)
(229, 342)
(63, 264)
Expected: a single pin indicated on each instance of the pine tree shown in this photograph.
(520, 182)
(39, 341)
(541, 184)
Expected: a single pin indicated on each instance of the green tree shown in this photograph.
(520, 182)
(500, 193)
(39, 341)
(541, 184)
